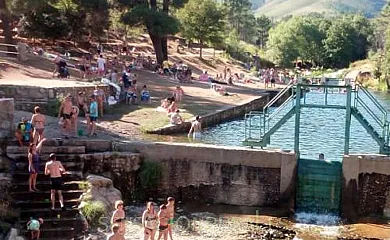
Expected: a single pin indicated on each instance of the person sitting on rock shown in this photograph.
(119, 217)
(23, 132)
(176, 118)
(115, 235)
(34, 227)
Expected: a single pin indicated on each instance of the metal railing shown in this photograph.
(374, 109)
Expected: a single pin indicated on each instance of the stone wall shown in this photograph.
(213, 119)
(27, 97)
(366, 186)
(230, 113)
(6, 118)
(121, 168)
(215, 174)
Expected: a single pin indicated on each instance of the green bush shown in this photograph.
(93, 211)
(150, 174)
(52, 107)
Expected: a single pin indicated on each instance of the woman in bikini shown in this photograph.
(38, 122)
(119, 217)
(33, 164)
(163, 222)
(149, 221)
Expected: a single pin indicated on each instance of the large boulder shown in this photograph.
(13, 235)
(101, 189)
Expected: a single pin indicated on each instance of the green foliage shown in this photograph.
(158, 23)
(150, 175)
(325, 42)
(93, 211)
(52, 107)
(84, 185)
(203, 20)
(61, 18)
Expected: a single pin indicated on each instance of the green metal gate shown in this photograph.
(319, 186)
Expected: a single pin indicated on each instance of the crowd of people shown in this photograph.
(154, 221)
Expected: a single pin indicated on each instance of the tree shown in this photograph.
(202, 20)
(158, 22)
(263, 25)
(4, 17)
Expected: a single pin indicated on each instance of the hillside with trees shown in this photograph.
(281, 8)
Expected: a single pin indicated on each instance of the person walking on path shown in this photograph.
(149, 221)
(171, 215)
(38, 122)
(55, 169)
(119, 217)
(93, 116)
(33, 164)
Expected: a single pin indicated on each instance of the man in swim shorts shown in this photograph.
(196, 128)
(66, 112)
(55, 169)
(171, 215)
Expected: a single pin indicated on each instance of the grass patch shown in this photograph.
(83, 185)
(148, 179)
(146, 117)
(93, 211)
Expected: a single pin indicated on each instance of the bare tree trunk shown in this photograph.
(164, 40)
(201, 49)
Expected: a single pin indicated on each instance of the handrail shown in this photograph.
(280, 108)
(374, 100)
(372, 114)
(276, 98)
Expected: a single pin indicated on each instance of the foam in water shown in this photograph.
(324, 224)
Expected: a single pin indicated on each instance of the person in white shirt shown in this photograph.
(101, 62)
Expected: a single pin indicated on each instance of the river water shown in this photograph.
(321, 130)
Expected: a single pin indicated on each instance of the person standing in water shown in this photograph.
(171, 215)
(33, 164)
(149, 221)
(55, 169)
(196, 128)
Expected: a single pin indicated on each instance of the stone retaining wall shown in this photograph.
(6, 118)
(230, 113)
(27, 97)
(214, 174)
(366, 186)
(121, 168)
(213, 119)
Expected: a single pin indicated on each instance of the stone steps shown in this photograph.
(22, 157)
(69, 166)
(43, 195)
(45, 186)
(66, 177)
(58, 224)
(47, 213)
(23, 204)
(47, 149)
(57, 232)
